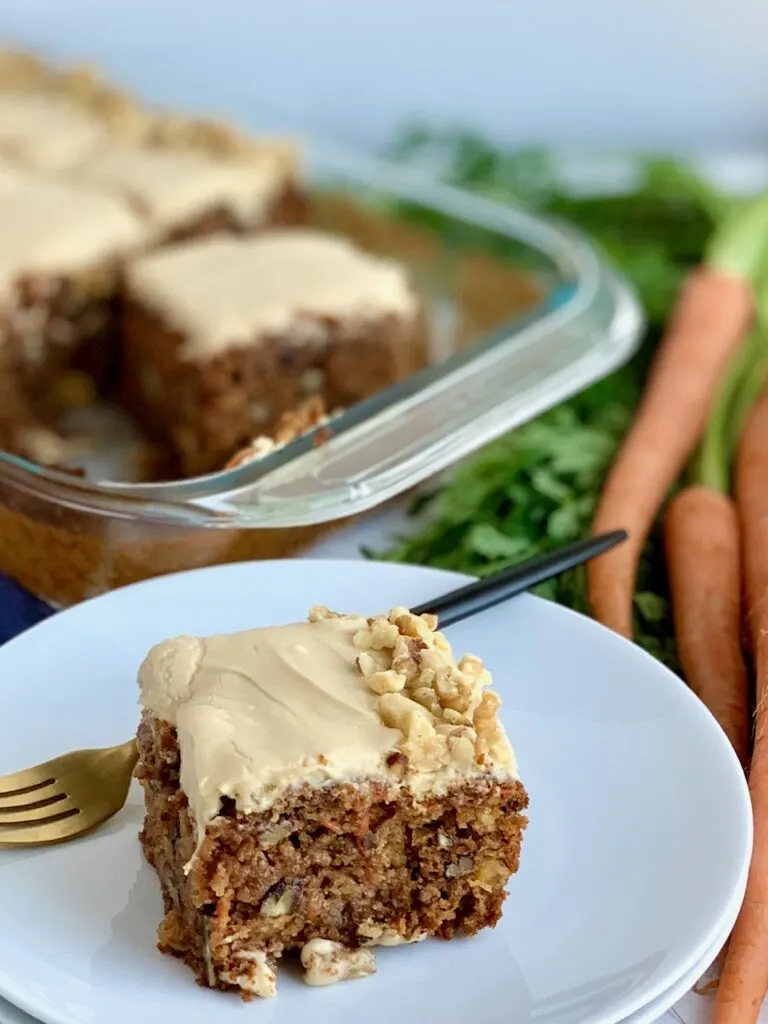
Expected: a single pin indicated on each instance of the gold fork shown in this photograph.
(66, 797)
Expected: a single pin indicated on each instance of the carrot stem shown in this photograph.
(713, 465)
(752, 384)
(737, 246)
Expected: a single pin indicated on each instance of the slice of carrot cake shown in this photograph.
(323, 788)
(187, 193)
(61, 249)
(221, 336)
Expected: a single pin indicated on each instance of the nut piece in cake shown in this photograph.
(183, 193)
(47, 132)
(224, 335)
(60, 253)
(343, 816)
(289, 427)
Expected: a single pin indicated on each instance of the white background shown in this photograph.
(661, 73)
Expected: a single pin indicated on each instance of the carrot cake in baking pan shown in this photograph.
(165, 263)
(323, 788)
(223, 335)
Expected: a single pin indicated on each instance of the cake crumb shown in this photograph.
(257, 978)
(327, 962)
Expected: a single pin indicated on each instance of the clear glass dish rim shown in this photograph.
(571, 253)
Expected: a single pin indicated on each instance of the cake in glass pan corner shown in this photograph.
(320, 789)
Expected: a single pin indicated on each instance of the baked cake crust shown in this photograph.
(409, 826)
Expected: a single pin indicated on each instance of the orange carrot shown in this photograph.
(713, 312)
(744, 978)
(701, 535)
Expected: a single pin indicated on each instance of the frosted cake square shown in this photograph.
(321, 789)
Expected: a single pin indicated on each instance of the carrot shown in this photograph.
(701, 535)
(750, 419)
(702, 540)
(744, 977)
(713, 313)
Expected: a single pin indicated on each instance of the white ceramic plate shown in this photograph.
(657, 1007)
(10, 1014)
(638, 845)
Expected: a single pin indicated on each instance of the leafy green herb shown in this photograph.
(537, 487)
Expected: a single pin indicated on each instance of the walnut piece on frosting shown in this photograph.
(327, 962)
(443, 707)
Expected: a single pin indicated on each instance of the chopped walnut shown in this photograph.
(382, 935)
(491, 745)
(399, 712)
(472, 665)
(257, 449)
(319, 613)
(257, 977)
(378, 635)
(370, 662)
(463, 866)
(280, 901)
(290, 426)
(427, 697)
(273, 834)
(386, 682)
(327, 962)
(491, 874)
(462, 751)
(441, 706)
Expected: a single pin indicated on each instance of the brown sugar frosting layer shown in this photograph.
(337, 698)
(167, 185)
(225, 291)
(56, 229)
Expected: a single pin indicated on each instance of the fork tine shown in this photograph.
(26, 781)
(30, 798)
(49, 833)
(57, 811)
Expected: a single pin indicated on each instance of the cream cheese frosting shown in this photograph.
(225, 291)
(170, 186)
(51, 228)
(265, 710)
(45, 132)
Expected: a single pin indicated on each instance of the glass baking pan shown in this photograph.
(524, 313)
